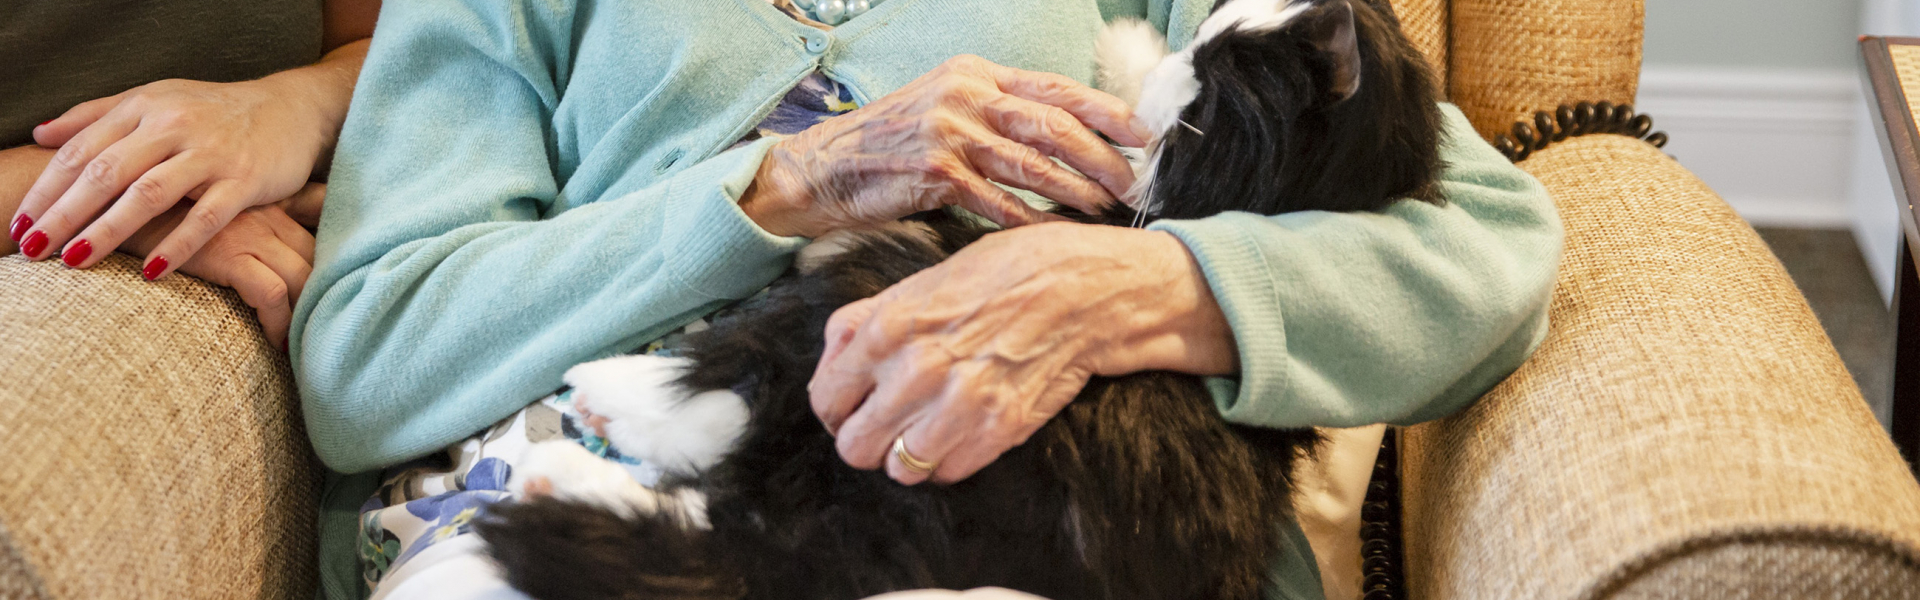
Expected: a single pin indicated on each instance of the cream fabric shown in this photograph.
(1328, 491)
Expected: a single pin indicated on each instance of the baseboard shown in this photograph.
(1776, 144)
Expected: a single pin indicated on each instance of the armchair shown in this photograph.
(1687, 430)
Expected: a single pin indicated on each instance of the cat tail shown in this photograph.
(562, 550)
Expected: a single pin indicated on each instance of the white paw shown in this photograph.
(565, 471)
(650, 418)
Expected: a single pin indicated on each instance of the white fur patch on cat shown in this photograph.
(839, 241)
(653, 419)
(1249, 15)
(1126, 51)
(1170, 85)
(565, 471)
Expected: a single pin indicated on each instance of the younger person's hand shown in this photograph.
(126, 159)
(264, 254)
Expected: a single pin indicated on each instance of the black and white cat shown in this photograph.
(1137, 489)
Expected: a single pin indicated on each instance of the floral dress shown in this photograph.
(418, 525)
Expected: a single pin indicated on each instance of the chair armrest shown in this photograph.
(152, 441)
(1686, 424)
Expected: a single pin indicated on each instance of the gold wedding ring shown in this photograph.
(906, 458)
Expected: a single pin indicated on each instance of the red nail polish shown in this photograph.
(283, 347)
(43, 123)
(34, 243)
(20, 226)
(154, 268)
(77, 253)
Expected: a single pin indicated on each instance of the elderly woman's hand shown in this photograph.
(126, 159)
(968, 358)
(939, 141)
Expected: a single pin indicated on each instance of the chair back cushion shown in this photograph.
(1508, 59)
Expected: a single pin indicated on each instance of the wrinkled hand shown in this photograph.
(263, 254)
(135, 155)
(969, 358)
(939, 141)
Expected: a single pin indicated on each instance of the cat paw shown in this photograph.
(636, 403)
(563, 470)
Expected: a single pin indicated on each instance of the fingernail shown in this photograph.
(1140, 129)
(34, 243)
(43, 123)
(77, 253)
(283, 347)
(20, 226)
(154, 268)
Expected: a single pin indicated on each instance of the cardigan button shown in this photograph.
(818, 41)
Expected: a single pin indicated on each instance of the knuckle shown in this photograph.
(273, 293)
(849, 447)
(965, 62)
(941, 169)
(174, 118)
(1002, 420)
(103, 230)
(1054, 83)
(1055, 121)
(102, 170)
(204, 219)
(149, 195)
(136, 100)
(1024, 156)
(948, 86)
(70, 157)
(57, 220)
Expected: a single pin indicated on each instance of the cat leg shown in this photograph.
(649, 416)
(563, 470)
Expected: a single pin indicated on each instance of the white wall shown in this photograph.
(1771, 34)
(1876, 216)
(1763, 100)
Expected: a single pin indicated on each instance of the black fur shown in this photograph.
(1137, 489)
(1274, 139)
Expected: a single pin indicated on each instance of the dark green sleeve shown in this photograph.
(59, 53)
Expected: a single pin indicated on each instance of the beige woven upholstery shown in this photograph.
(1685, 402)
(1425, 23)
(17, 579)
(1509, 59)
(152, 445)
(1686, 431)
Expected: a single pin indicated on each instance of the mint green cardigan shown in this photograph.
(524, 185)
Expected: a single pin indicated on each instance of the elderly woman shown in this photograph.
(524, 186)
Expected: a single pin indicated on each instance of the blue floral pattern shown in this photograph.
(434, 499)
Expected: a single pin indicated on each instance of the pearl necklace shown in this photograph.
(834, 12)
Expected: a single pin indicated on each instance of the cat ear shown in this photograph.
(1329, 25)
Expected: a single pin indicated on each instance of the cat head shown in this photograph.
(1285, 105)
